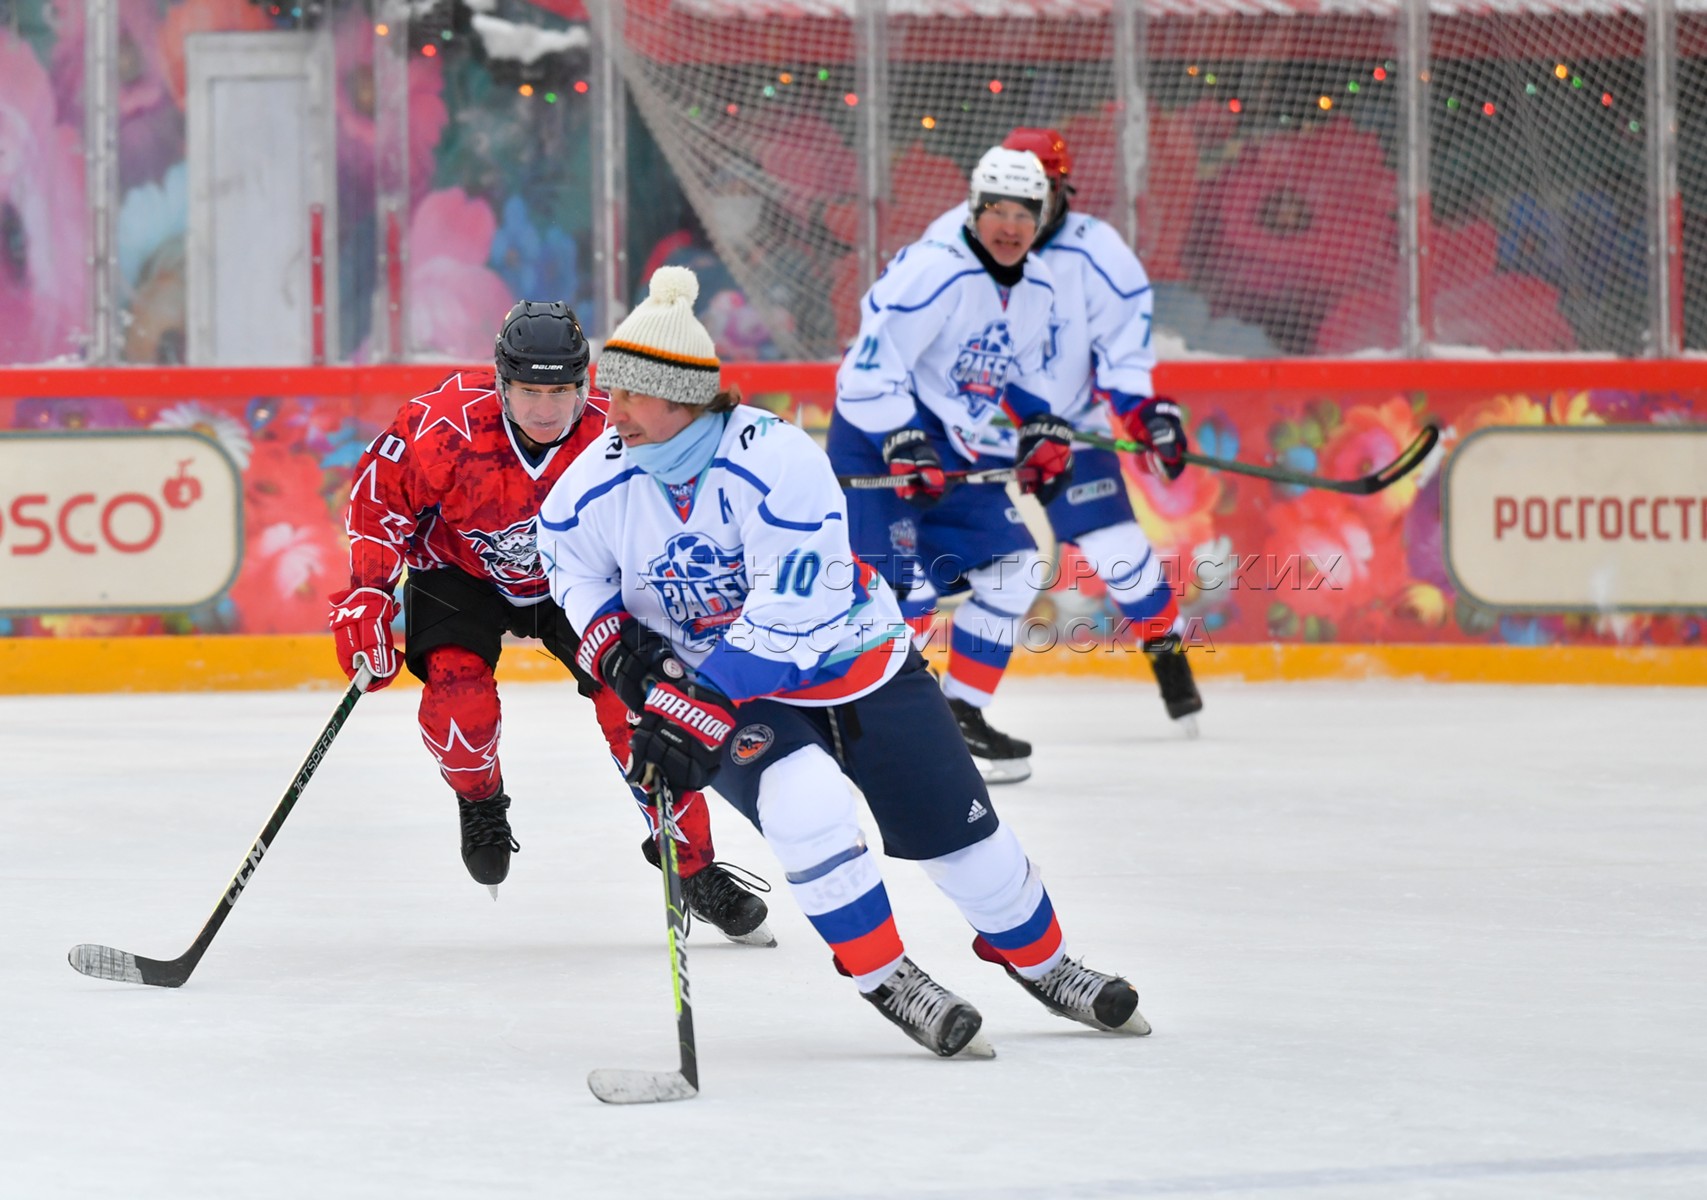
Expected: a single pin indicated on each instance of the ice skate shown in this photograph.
(929, 1013)
(1173, 677)
(1001, 757)
(718, 896)
(486, 839)
(1075, 991)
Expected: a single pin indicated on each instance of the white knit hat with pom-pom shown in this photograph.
(660, 349)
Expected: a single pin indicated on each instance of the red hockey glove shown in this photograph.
(628, 658)
(909, 452)
(681, 736)
(361, 627)
(1044, 458)
(1157, 424)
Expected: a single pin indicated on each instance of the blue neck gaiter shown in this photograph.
(685, 455)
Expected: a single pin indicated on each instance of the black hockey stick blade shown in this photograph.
(621, 1085)
(120, 966)
(875, 482)
(1410, 458)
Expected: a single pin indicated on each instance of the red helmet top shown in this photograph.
(1049, 146)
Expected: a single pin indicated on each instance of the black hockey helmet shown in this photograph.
(541, 342)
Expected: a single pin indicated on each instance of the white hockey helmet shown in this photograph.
(1004, 174)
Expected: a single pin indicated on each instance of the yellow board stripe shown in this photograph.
(30, 666)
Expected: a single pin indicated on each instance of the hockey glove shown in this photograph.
(1157, 424)
(680, 737)
(1044, 458)
(361, 628)
(909, 452)
(628, 658)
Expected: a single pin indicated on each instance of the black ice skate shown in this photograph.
(718, 896)
(1074, 991)
(486, 840)
(929, 1013)
(1173, 677)
(1003, 759)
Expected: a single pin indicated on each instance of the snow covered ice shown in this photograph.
(1397, 940)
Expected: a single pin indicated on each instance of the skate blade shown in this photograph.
(493, 888)
(998, 771)
(1135, 1025)
(762, 936)
(1188, 726)
(978, 1047)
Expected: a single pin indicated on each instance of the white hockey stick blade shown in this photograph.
(1003, 770)
(621, 1085)
(762, 936)
(103, 962)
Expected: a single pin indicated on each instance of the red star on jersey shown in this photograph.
(450, 404)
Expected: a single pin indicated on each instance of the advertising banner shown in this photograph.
(116, 522)
(1579, 519)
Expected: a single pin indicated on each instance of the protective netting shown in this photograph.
(1274, 153)
(758, 120)
(1537, 147)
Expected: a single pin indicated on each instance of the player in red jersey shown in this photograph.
(451, 490)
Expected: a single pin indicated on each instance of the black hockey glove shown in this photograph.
(1044, 458)
(628, 658)
(680, 737)
(1157, 424)
(908, 451)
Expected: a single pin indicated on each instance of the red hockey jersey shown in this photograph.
(448, 485)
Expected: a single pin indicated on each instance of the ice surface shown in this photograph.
(1397, 940)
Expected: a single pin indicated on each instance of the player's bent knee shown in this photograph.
(987, 875)
(806, 810)
(1009, 584)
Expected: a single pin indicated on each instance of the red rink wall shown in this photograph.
(1278, 582)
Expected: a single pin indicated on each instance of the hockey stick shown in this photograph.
(628, 1085)
(992, 475)
(1409, 459)
(104, 962)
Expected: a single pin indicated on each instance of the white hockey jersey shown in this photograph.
(1099, 340)
(746, 569)
(937, 332)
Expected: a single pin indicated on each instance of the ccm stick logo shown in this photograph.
(246, 872)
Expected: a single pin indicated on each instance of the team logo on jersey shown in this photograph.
(904, 536)
(701, 586)
(751, 742)
(982, 367)
(510, 555)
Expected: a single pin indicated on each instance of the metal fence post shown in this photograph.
(390, 336)
(1665, 205)
(1415, 210)
(1132, 103)
(871, 86)
(101, 176)
(610, 166)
